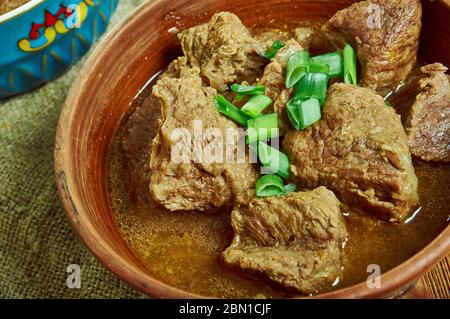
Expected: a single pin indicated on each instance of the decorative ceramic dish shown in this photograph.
(114, 75)
(41, 39)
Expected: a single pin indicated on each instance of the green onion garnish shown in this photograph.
(270, 185)
(303, 113)
(226, 107)
(239, 97)
(319, 68)
(262, 128)
(273, 160)
(256, 105)
(312, 85)
(297, 67)
(334, 62)
(248, 89)
(309, 112)
(350, 65)
(290, 188)
(273, 50)
(243, 90)
(292, 110)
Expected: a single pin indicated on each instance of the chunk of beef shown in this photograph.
(387, 44)
(404, 97)
(360, 151)
(274, 81)
(224, 51)
(194, 181)
(302, 35)
(295, 240)
(428, 126)
(141, 129)
(274, 74)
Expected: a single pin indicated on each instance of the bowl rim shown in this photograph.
(20, 10)
(394, 279)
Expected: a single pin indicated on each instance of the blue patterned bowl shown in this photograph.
(43, 38)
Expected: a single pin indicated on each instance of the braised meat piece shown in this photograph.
(206, 174)
(274, 74)
(140, 131)
(302, 35)
(386, 34)
(360, 151)
(428, 126)
(295, 241)
(224, 51)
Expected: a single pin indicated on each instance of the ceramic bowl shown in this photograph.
(140, 47)
(42, 38)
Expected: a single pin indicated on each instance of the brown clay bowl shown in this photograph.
(120, 67)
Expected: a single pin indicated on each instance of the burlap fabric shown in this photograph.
(37, 242)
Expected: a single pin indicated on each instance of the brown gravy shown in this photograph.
(183, 249)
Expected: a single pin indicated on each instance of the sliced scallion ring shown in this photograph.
(292, 110)
(309, 112)
(226, 107)
(248, 89)
(256, 105)
(290, 188)
(297, 67)
(262, 128)
(312, 85)
(350, 76)
(273, 160)
(334, 61)
(319, 68)
(273, 50)
(270, 185)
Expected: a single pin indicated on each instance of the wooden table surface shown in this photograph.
(436, 283)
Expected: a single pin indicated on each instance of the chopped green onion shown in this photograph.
(297, 67)
(273, 50)
(293, 114)
(243, 90)
(309, 112)
(239, 97)
(270, 185)
(319, 68)
(273, 160)
(290, 188)
(262, 128)
(303, 113)
(256, 105)
(248, 89)
(334, 62)
(312, 85)
(350, 65)
(388, 103)
(226, 107)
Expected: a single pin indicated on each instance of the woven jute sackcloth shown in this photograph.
(37, 243)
